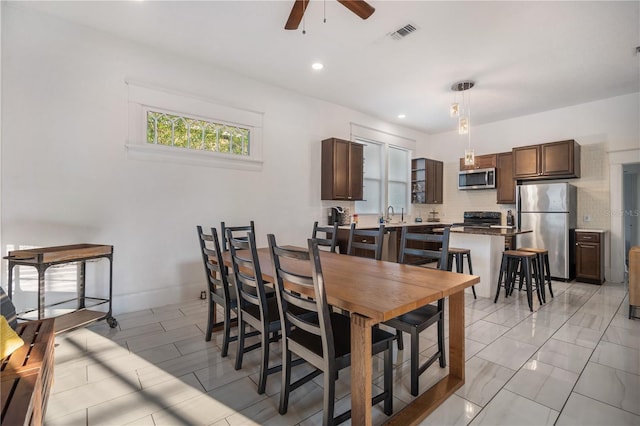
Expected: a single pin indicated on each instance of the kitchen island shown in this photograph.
(486, 245)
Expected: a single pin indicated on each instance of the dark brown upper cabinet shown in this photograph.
(426, 181)
(487, 161)
(342, 170)
(505, 184)
(553, 160)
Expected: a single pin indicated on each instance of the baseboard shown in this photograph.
(155, 298)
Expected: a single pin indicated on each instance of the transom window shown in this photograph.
(192, 133)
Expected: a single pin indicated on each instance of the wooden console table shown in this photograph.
(43, 258)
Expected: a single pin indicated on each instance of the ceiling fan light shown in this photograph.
(317, 66)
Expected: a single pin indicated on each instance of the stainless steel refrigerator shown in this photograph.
(549, 209)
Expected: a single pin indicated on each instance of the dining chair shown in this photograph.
(365, 242)
(420, 319)
(220, 292)
(330, 235)
(235, 230)
(254, 307)
(323, 338)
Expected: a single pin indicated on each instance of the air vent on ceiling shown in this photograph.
(403, 32)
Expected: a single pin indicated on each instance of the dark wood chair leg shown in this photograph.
(240, 352)
(503, 266)
(400, 340)
(211, 319)
(286, 382)
(415, 358)
(388, 380)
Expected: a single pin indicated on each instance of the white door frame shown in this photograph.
(616, 184)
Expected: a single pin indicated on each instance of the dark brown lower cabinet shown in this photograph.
(589, 257)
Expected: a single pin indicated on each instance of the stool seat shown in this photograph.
(519, 253)
(534, 250)
(454, 250)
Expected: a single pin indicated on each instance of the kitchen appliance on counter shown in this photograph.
(338, 214)
(480, 219)
(477, 179)
(550, 211)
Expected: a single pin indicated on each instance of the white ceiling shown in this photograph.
(525, 57)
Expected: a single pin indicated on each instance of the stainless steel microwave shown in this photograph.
(477, 179)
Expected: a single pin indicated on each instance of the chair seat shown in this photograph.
(420, 317)
(342, 340)
(272, 307)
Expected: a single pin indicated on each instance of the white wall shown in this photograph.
(601, 127)
(67, 179)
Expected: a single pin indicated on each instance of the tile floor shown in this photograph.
(574, 361)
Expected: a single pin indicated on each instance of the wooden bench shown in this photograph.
(27, 374)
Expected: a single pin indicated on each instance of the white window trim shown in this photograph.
(142, 98)
(363, 133)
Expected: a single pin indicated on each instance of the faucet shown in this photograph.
(392, 213)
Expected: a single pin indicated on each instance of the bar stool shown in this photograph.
(544, 270)
(512, 260)
(458, 254)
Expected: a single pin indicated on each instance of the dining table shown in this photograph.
(373, 291)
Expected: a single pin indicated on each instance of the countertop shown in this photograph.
(600, 231)
(396, 225)
(499, 232)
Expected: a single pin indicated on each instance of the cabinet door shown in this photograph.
(525, 162)
(341, 151)
(588, 261)
(487, 161)
(434, 182)
(342, 170)
(356, 169)
(506, 184)
(557, 158)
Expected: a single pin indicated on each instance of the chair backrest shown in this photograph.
(366, 239)
(248, 276)
(237, 231)
(303, 292)
(330, 235)
(214, 269)
(424, 247)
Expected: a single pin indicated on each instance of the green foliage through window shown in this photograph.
(184, 132)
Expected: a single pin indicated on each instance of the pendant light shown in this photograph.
(464, 116)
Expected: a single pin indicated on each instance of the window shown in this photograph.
(386, 178)
(179, 127)
(184, 132)
(399, 177)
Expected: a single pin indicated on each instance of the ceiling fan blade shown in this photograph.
(359, 7)
(297, 12)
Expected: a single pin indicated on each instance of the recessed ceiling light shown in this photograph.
(317, 66)
(401, 116)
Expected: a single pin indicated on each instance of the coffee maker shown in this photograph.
(338, 214)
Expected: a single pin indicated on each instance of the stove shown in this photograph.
(481, 219)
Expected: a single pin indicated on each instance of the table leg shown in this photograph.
(361, 374)
(456, 335)
(10, 278)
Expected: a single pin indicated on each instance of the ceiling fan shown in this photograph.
(359, 7)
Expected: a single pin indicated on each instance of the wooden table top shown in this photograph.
(59, 253)
(376, 289)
